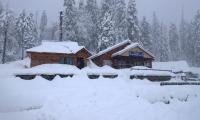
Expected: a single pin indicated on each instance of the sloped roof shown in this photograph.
(67, 47)
(131, 46)
(110, 48)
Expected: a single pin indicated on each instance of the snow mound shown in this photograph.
(175, 66)
(105, 70)
(151, 73)
(51, 69)
(140, 67)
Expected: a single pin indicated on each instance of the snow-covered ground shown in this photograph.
(80, 98)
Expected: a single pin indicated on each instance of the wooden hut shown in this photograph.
(59, 53)
(124, 55)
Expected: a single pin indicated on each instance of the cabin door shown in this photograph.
(80, 62)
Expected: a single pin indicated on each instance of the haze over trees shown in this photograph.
(98, 26)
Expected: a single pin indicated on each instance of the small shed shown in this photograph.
(59, 53)
(124, 55)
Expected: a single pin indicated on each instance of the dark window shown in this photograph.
(69, 61)
(62, 60)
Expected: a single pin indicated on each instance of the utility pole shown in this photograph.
(61, 28)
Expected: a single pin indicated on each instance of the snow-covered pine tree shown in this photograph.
(1, 7)
(155, 33)
(7, 33)
(189, 49)
(31, 36)
(164, 44)
(70, 20)
(21, 24)
(43, 25)
(107, 5)
(174, 42)
(146, 34)
(1, 38)
(196, 38)
(183, 36)
(26, 32)
(120, 20)
(106, 36)
(132, 22)
(82, 35)
(91, 24)
(52, 32)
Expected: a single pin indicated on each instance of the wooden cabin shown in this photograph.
(59, 53)
(124, 55)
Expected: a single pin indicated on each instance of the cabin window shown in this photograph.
(62, 60)
(69, 61)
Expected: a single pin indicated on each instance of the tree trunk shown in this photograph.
(4, 46)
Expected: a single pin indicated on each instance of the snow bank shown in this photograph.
(175, 66)
(95, 70)
(144, 71)
(80, 98)
(50, 69)
(9, 68)
(195, 70)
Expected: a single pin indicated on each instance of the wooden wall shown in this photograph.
(55, 58)
(107, 56)
(115, 61)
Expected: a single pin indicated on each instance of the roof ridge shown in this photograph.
(132, 45)
(110, 48)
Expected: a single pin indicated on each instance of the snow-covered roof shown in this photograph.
(131, 46)
(175, 66)
(67, 47)
(110, 48)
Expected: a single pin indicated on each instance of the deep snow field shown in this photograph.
(80, 98)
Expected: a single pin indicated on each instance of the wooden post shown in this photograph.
(61, 29)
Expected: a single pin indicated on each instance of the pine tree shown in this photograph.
(155, 32)
(196, 38)
(1, 8)
(107, 5)
(6, 28)
(26, 31)
(183, 36)
(43, 25)
(189, 49)
(31, 36)
(106, 38)
(146, 34)
(164, 44)
(174, 42)
(91, 24)
(82, 36)
(120, 20)
(132, 22)
(70, 20)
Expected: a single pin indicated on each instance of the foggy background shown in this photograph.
(167, 10)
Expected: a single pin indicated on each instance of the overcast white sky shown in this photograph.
(167, 10)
